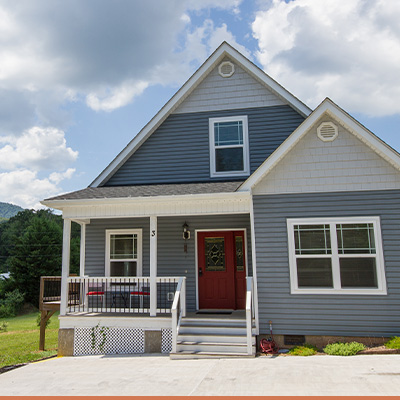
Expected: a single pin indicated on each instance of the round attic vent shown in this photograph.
(226, 69)
(327, 132)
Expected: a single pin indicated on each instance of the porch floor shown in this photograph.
(208, 314)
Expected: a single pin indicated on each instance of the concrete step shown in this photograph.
(212, 330)
(198, 355)
(214, 338)
(236, 322)
(209, 347)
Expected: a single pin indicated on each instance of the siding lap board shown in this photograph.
(348, 315)
(178, 151)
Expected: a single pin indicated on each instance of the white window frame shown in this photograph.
(138, 260)
(245, 146)
(337, 289)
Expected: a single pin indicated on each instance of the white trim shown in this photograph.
(208, 204)
(223, 51)
(380, 262)
(330, 109)
(244, 146)
(197, 259)
(138, 260)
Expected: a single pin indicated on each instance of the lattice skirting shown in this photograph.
(166, 341)
(108, 340)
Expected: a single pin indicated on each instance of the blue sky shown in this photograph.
(79, 79)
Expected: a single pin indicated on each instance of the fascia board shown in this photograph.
(224, 50)
(329, 107)
(59, 204)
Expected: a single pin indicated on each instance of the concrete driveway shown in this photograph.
(158, 375)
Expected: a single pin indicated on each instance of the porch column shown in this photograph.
(82, 252)
(66, 248)
(153, 266)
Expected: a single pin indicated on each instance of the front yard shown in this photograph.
(20, 342)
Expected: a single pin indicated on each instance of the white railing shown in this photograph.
(178, 310)
(120, 294)
(249, 314)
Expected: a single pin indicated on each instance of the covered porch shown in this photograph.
(160, 277)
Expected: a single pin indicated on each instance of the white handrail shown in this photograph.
(179, 304)
(249, 319)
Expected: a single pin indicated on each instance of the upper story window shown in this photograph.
(229, 146)
(124, 252)
(336, 255)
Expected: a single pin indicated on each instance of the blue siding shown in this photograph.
(348, 315)
(178, 151)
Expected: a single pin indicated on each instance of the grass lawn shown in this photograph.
(20, 343)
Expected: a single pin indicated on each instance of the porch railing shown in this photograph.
(178, 310)
(249, 314)
(119, 294)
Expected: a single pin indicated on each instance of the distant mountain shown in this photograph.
(8, 210)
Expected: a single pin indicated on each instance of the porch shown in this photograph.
(117, 319)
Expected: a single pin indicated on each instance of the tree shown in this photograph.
(36, 253)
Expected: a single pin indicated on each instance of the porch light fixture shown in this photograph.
(186, 232)
(186, 235)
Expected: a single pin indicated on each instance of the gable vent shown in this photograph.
(226, 69)
(327, 132)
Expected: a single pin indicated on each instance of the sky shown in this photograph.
(80, 78)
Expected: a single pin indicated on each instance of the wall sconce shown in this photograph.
(186, 232)
(186, 235)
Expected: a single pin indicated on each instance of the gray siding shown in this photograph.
(178, 151)
(351, 315)
(172, 260)
(96, 242)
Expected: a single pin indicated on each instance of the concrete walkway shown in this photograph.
(158, 375)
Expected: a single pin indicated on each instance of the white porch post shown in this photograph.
(153, 266)
(65, 265)
(83, 249)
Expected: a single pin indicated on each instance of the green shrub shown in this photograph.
(304, 350)
(343, 349)
(393, 343)
(3, 326)
(12, 303)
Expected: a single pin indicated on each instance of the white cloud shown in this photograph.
(24, 188)
(37, 149)
(109, 100)
(57, 177)
(349, 51)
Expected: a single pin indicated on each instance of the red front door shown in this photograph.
(221, 270)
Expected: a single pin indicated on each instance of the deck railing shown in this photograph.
(249, 314)
(50, 290)
(178, 310)
(119, 294)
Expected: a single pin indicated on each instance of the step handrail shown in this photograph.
(178, 310)
(249, 314)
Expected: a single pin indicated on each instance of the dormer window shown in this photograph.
(229, 146)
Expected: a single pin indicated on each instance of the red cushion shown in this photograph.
(95, 293)
(141, 293)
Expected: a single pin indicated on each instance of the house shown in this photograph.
(236, 205)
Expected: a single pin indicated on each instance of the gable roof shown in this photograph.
(223, 51)
(327, 107)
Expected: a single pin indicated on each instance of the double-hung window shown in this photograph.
(229, 146)
(124, 252)
(336, 255)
